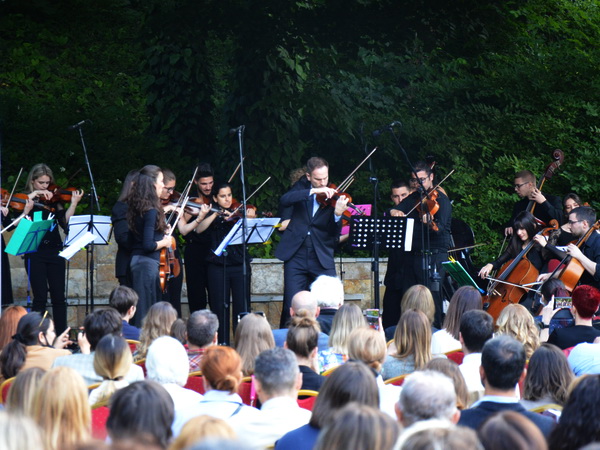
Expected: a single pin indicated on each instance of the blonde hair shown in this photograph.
(516, 321)
(37, 171)
(19, 432)
(112, 361)
(22, 391)
(200, 428)
(367, 345)
(419, 297)
(61, 409)
(347, 319)
(413, 337)
(157, 323)
(253, 336)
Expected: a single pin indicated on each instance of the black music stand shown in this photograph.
(393, 232)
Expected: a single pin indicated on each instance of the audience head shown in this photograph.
(8, 323)
(419, 297)
(413, 337)
(586, 300)
(328, 291)
(548, 375)
(368, 346)
(511, 430)
(253, 336)
(100, 323)
(221, 369)
(19, 432)
(276, 374)
(200, 428)
(167, 361)
(124, 300)
(359, 426)
(179, 331)
(22, 391)
(348, 318)
(112, 361)
(502, 363)
(141, 412)
(438, 434)
(427, 395)
(555, 287)
(157, 323)
(61, 408)
(451, 370)
(464, 299)
(303, 337)
(202, 328)
(516, 321)
(304, 303)
(351, 382)
(579, 423)
(476, 328)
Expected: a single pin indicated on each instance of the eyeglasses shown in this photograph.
(244, 314)
(422, 180)
(171, 189)
(571, 222)
(519, 186)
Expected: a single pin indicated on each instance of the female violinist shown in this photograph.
(45, 268)
(147, 226)
(225, 274)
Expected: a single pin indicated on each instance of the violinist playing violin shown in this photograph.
(308, 243)
(405, 269)
(45, 268)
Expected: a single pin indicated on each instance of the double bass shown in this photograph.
(558, 157)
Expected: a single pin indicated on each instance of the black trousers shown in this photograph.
(196, 275)
(146, 282)
(46, 272)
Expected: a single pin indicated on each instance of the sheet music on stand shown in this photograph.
(258, 231)
(79, 234)
(460, 275)
(394, 232)
(29, 234)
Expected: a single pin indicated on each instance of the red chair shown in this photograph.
(195, 382)
(4, 387)
(99, 418)
(309, 401)
(133, 344)
(567, 351)
(247, 392)
(456, 355)
(397, 381)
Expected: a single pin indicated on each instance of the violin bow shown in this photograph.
(251, 195)
(182, 201)
(434, 188)
(236, 170)
(350, 178)
(15, 221)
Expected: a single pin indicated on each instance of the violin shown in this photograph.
(18, 201)
(332, 201)
(61, 195)
(430, 206)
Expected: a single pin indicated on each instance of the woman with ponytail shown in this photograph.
(302, 339)
(112, 361)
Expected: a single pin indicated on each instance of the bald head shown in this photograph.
(304, 303)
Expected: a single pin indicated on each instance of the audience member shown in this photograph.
(368, 346)
(202, 332)
(502, 366)
(476, 328)
(427, 395)
(359, 426)
(446, 340)
(8, 323)
(277, 380)
(586, 300)
(200, 428)
(252, 337)
(157, 323)
(167, 364)
(19, 432)
(179, 331)
(302, 340)
(352, 382)
(412, 341)
(516, 321)
(61, 409)
(32, 345)
(584, 359)
(416, 297)
(222, 372)
(451, 370)
(22, 391)
(511, 430)
(142, 413)
(304, 304)
(579, 423)
(96, 325)
(548, 378)
(348, 318)
(328, 292)
(438, 434)
(124, 300)
(112, 362)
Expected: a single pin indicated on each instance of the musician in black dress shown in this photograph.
(121, 232)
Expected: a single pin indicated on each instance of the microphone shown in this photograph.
(77, 125)
(385, 128)
(237, 130)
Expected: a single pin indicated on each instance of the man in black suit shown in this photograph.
(502, 367)
(309, 240)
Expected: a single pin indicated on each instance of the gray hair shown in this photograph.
(201, 327)
(427, 395)
(167, 361)
(328, 291)
(277, 371)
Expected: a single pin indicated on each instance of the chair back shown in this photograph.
(329, 371)
(4, 388)
(307, 398)
(456, 355)
(195, 382)
(99, 419)
(133, 344)
(397, 381)
(247, 391)
(142, 364)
